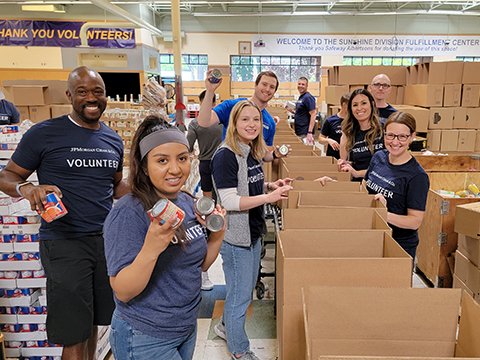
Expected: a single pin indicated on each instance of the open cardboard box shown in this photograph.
(390, 323)
(333, 218)
(315, 174)
(295, 159)
(315, 199)
(319, 168)
(330, 258)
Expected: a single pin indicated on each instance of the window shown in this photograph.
(468, 58)
(384, 60)
(287, 68)
(194, 66)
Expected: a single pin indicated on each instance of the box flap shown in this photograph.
(468, 344)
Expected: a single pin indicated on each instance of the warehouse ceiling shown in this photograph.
(212, 8)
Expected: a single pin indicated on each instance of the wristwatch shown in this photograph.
(19, 185)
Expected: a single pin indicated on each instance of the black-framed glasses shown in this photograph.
(379, 85)
(400, 137)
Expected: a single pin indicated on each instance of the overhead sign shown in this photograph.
(62, 34)
(367, 45)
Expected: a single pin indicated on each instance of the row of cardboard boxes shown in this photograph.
(426, 95)
(467, 257)
(453, 140)
(448, 72)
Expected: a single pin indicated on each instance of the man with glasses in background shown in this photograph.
(380, 89)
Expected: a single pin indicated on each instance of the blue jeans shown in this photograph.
(241, 266)
(129, 344)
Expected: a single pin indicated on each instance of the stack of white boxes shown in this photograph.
(22, 279)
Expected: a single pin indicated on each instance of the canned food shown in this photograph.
(13, 327)
(11, 310)
(12, 257)
(31, 343)
(29, 327)
(9, 238)
(31, 256)
(215, 222)
(164, 210)
(215, 76)
(24, 310)
(26, 274)
(13, 344)
(283, 150)
(204, 206)
(10, 274)
(32, 219)
(28, 238)
(38, 273)
(8, 129)
(42, 327)
(54, 208)
(38, 310)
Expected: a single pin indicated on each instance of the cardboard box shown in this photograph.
(24, 112)
(434, 139)
(438, 240)
(477, 142)
(472, 120)
(449, 141)
(54, 94)
(440, 118)
(26, 95)
(471, 95)
(467, 221)
(390, 323)
(468, 273)
(59, 110)
(412, 74)
(420, 114)
(433, 73)
(459, 284)
(40, 113)
(312, 175)
(471, 73)
(459, 118)
(343, 258)
(466, 140)
(306, 185)
(454, 72)
(470, 248)
(352, 88)
(333, 93)
(345, 75)
(328, 218)
(400, 95)
(424, 95)
(452, 95)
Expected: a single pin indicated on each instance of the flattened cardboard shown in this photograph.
(385, 322)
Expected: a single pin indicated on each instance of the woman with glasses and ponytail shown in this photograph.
(399, 181)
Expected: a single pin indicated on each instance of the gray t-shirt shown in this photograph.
(208, 138)
(168, 307)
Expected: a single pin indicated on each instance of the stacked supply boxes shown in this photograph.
(467, 257)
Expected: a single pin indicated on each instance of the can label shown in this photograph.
(164, 210)
(54, 208)
(215, 76)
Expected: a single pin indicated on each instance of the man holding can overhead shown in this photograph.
(266, 84)
(80, 159)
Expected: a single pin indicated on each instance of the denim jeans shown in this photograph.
(241, 266)
(130, 344)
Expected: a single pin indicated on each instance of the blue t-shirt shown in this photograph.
(404, 187)
(225, 174)
(82, 163)
(384, 113)
(224, 109)
(8, 113)
(360, 154)
(304, 104)
(168, 307)
(332, 128)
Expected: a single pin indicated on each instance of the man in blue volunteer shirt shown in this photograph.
(8, 112)
(266, 84)
(81, 160)
(305, 112)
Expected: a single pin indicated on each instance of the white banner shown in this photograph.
(366, 45)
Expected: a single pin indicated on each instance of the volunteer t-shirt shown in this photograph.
(305, 104)
(8, 113)
(384, 113)
(332, 128)
(82, 163)
(360, 155)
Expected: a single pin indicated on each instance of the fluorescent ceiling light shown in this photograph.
(57, 8)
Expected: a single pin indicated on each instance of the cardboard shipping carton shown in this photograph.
(459, 118)
(452, 95)
(466, 140)
(440, 118)
(424, 95)
(471, 95)
(390, 323)
(470, 248)
(330, 258)
(420, 114)
(434, 139)
(333, 93)
(467, 221)
(39, 113)
(471, 73)
(472, 120)
(468, 273)
(449, 141)
(26, 95)
(59, 110)
(310, 185)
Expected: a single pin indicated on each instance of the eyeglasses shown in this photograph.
(384, 86)
(400, 137)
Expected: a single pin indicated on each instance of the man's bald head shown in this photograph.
(80, 72)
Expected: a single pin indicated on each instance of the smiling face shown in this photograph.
(361, 108)
(380, 88)
(265, 90)
(86, 92)
(302, 86)
(395, 146)
(249, 124)
(168, 167)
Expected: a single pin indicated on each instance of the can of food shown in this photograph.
(24, 310)
(11, 310)
(54, 208)
(9, 238)
(26, 274)
(31, 343)
(215, 76)
(10, 274)
(38, 273)
(13, 344)
(283, 150)
(204, 206)
(215, 222)
(29, 327)
(42, 327)
(163, 210)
